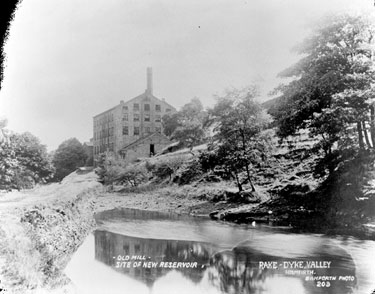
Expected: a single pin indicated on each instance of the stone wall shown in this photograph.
(143, 149)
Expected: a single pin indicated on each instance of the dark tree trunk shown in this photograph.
(365, 133)
(372, 124)
(238, 182)
(249, 179)
(360, 135)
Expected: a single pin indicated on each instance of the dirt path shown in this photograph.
(71, 185)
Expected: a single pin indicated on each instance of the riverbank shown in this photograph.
(187, 199)
(219, 201)
(40, 229)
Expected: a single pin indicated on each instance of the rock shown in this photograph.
(220, 196)
(214, 215)
(249, 197)
(211, 178)
(231, 196)
(240, 197)
(294, 189)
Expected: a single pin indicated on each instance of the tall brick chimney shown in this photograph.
(149, 80)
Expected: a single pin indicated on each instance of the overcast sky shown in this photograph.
(68, 60)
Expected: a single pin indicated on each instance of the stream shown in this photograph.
(135, 251)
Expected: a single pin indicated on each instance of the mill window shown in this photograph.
(136, 131)
(125, 130)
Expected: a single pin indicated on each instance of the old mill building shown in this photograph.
(133, 129)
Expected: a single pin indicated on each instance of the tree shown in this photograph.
(170, 123)
(68, 157)
(23, 161)
(8, 165)
(190, 134)
(188, 125)
(330, 94)
(192, 110)
(239, 123)
(32, 155)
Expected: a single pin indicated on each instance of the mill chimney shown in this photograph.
(149, 80)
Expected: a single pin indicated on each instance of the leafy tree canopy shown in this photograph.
(187, 125)
(23, 161)
(170, 123)
(239, 122)
(68, 157)
(331, 91)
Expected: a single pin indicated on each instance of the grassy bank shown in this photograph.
(40, 230)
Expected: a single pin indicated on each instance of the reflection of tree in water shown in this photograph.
(108, 246)
(342, 264)
(230, 271)
(237, 271)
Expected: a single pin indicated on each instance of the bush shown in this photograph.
(113, 171)
(208, 160)
(133, 175)
(108, 168)
(166, 166)
(188, 172)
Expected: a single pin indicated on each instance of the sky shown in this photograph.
(68, 60)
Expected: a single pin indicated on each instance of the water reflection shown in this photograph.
(230, 271)
(228, 257)
(110, 246)
(239, 271)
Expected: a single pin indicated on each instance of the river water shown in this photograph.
(135, 251)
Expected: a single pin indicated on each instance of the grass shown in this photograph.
(38, 239)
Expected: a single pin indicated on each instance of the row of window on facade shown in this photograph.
(136, 117)
(104, 119)
(146, 107)
(104, 126)
(137, 130)
(103, 133)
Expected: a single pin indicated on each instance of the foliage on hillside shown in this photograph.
(332, 91)
(241, 144)
(331, 96)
